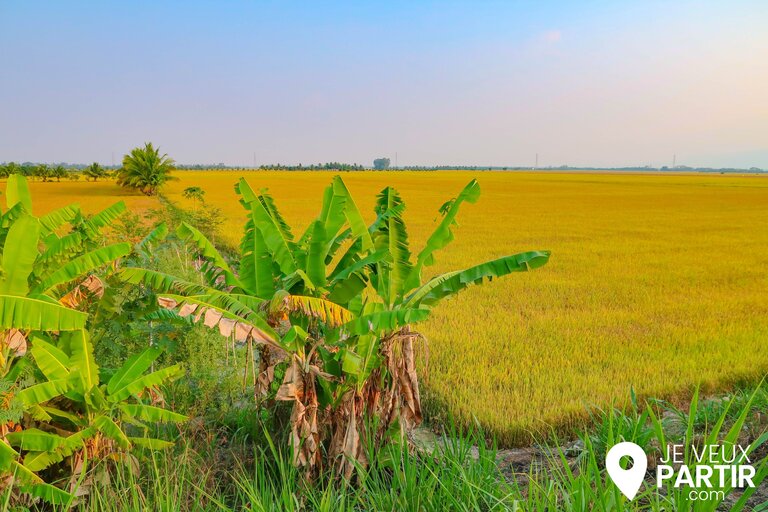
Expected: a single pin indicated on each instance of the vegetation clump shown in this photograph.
(331, 311)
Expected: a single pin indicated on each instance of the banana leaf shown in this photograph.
(451, 283)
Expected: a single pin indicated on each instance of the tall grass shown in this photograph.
(461, 473)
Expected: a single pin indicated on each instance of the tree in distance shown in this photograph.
(196, 194)
(145, 169)
(94, 172)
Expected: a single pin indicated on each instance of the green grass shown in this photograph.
(230, 472)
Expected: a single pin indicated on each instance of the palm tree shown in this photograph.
(94, 172)
(59, 172)
(144, 169)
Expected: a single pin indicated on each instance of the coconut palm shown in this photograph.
(95, 171)
(145, 169)
(59, 172)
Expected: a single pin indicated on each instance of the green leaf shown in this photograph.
(104, 218)
(35, 440)
(63, 415)
(160, 282)
(391, 234)
(38, 315)
(151, 413)
(110, 429)
(152, 444)
(295, 338)
(84, 264)
(451, 283)
(38, 461)
(387, 320)
(442, 235)
(342, 273)
(207, 250)
(153, 379)
(316, 254)
(50, 359)
(132, 369)
(17, 191)
(19, 255)
(52, 221)
(256, 262)
(7, 455)
(84, 372)
(158, 234)
(273, 237)
(353, 215)
(43, 392)
(50, 494)
(61, 247)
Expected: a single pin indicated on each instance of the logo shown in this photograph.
(705, 470)
(627, 480)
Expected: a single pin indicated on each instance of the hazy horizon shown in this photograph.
(597, 84)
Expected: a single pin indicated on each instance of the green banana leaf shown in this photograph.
(273, 237)
(393, 236)
(110, 429)
(207, 250)
(152, 444)
(256, 269)
(38, 315)
(19, 255)
(56, 247)
(442, 235)
(151, 413)
(451, 283)
(147, 381)
(386, 320)
(353, 215)
(158, 234)
(84, 264)
(52, 221)
(35, 440)
(132, 369)
(103, 219)
(39, 393)
(51, 360)
(17, 191)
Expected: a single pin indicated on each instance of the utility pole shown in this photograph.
(537, 162)
(113, 159)
(395, 159)
(674, 160)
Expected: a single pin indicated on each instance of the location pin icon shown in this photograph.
(627, 480)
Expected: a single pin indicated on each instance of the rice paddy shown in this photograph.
(656, 282)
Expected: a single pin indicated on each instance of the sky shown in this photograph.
(580, 83)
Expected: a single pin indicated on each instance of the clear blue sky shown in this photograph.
(580, 83)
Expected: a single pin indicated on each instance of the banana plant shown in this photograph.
(334, 306)
(89, 411)
(46, 274)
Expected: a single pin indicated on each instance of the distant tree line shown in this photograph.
(95, 171)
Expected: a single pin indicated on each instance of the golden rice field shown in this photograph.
(657, 282)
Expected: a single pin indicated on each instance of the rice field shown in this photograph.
(656, 282)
